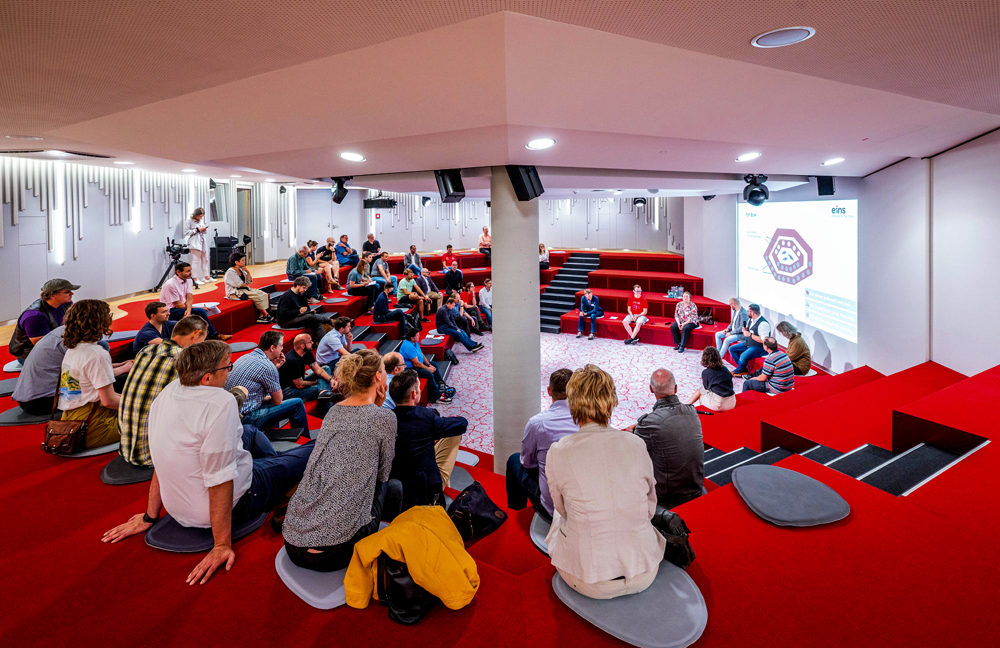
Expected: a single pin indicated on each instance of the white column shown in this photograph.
(517, 358)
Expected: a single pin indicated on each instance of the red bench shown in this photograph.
(658, 282)
(659, 305)
(655, 331)
(642, 261)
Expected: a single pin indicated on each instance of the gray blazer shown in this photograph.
(740, 320)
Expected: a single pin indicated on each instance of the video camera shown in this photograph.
(175, 249)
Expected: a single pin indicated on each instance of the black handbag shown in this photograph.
(672, 527)
(407, 601)
(475, 514)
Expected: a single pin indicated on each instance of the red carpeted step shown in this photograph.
(741, 426)
(655, 331)
(858, 416)
(947, 414)
(649, 261)
(659, 304)
(658, 282)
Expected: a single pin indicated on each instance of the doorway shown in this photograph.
(243, 220)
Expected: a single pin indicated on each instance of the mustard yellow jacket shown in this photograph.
(425, 538)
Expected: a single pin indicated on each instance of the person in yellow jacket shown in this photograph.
(425, 538)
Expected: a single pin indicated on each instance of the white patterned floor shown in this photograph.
(630, 366)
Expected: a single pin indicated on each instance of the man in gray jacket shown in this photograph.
(672, 433)
(733, 333)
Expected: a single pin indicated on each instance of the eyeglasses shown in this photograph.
(228, 367)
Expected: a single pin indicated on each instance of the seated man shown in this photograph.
(752, 346)
(672, 432)
(297, 266)
(295, 381)
(157, 329)
(336, 344)
(346, 255)
(453, 279)
(486, 301)
(394, 365)
(293, 310)
(413, 356)
(43, 315)
(380, 271)
(445, 322)
(152, 371)
(371, 245)
(257, 371)
(448, 258)
(733, 331)
(429, 290)
(637, 309)
(777, 375)
(526, 470)
(177, 293)
(381, 313)
(590, 307)
(412, 261)
(211, 470)
(426, 444)
(409, 294)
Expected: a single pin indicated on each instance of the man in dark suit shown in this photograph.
(426, 443)
(590, 306)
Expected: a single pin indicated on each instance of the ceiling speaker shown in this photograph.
(826, 185)
(527, 185)
(450, 185)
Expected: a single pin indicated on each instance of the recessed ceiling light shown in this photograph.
(540, 143)
(352, 157)
(783, 37)
(270, 180)
(833, 161)
(189, 170)
(235, 176)
(746, 157)
(618, 192)
(57, 153)
(24, 137)
(123, 162)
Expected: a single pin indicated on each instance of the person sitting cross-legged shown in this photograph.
(336, 344)
(177, 293)
(672, 433)
(752, 346)
(156, 329)
(467, 298)
(257, 371)
(733, 331)
(293, 310)
(429, 290)
(382, 314)
(237, 281)
(380, 271)
(716, 391)
(526, 470)
(394, 365)
(346, 489)
(637, 309)
(346, 255)
(413, 356)
(486, 301)
(211, 470)
(360, 284)
(297, 266)
(590, 308)
(445, 322)
(295, 381)
(325, 270)
(426, 444)
(776, 376)
(686, 319)
(410, 294)
(453, 279)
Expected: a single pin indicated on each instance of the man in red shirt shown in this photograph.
(637, 309)
(448, 258)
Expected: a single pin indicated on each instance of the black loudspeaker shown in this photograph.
(527, 184)
(826, 185)
(450, 185)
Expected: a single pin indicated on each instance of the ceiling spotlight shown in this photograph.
(618, 192)
(339, 191)
(783, 37)
(189, 170)
(269, 180)
(425, 200)
(352, 157)
(746, 157)
(639, 202)
(653, 191)
(833, 161)
(212, 184)
(540, 144)
(707, 198)
(24, 137)
(756, 191)
(235, 176)
(283, 189)
(123, 162)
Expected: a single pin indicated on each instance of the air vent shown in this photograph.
(89, 155)
(25, 152)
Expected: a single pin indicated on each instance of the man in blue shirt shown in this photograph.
(381, 313)
(257, 371)
(413, 356)
(590, 306)
(335, 344)
(445, 322)
(297, 266)
(157, 329)
(346, 255)
(526, 470)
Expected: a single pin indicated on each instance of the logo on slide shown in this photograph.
(789, 257)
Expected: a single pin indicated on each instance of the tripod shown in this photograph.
(174, 258)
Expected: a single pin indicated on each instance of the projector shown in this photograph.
(380, 203)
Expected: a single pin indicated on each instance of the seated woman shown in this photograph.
(604, 496)
(323, 268)
(238, 282)
(468, 300)
(87, 382)
(543, 257)
(685, 320)
(345, 490)
(797, 350)
(716, 392)
(360, 284)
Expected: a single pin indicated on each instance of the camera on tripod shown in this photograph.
(175, 250)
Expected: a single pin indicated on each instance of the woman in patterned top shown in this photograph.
(322, 267)
(346, 490)
(685, 321)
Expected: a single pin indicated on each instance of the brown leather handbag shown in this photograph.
(66, 437)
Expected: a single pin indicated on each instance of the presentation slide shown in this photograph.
(801, 259)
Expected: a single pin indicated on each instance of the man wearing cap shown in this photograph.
(43, 315)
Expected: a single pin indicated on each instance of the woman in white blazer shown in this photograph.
(194, 236)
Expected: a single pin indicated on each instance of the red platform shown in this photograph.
(655, 331)
(659, 305)
(656, 282)
(642, 261)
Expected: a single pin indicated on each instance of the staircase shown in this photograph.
(560, 296)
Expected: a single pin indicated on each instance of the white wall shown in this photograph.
(710, 244)
(894, 267)
(319, 217)
(611, 223)
(965, 256)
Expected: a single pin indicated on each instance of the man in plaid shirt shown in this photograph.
(152, 371)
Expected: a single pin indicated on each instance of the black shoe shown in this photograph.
(477, 348)
(424, 319)
(676, 347)
(680, 349)
(628, 340)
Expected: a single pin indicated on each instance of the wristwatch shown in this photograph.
(149, 520)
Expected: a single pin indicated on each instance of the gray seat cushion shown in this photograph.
(460, 479)
(468, 458)
(17, 416)
(119, 472)
(670, 613)
(7, 386)
(276, 327)
(237, 347)
(118, 336)
(539, 531)
(334, 300)
(169, 535)
(787, 498)
(93, 452)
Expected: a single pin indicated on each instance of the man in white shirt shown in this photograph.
(486, 301)
(210, 469)
(177, 293)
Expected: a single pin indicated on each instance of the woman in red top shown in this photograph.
(685, 321)
(468, 299)
(637, 309)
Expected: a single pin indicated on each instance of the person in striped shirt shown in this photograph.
(778, 374)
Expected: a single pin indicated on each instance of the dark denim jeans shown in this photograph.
(274, 473)
(267, 415)
(742, 355)
(522, 486)
(178, 313)
(461, 336)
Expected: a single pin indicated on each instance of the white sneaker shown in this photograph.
(579, 334)
(313, 300)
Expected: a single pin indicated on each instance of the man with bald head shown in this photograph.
(394, 365)
(672, 433)
(295, 381)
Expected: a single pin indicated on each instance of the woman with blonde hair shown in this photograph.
(346, 490)
(604, 496)
(543, 257)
